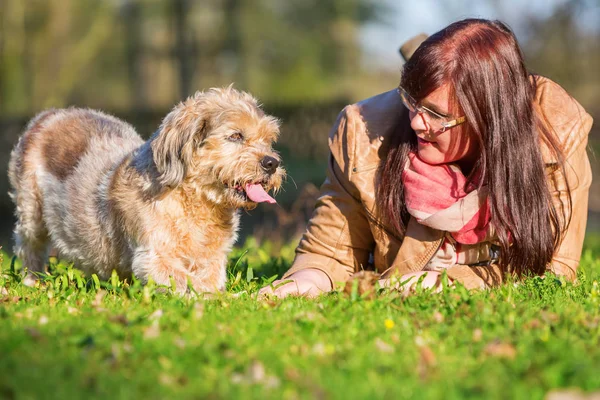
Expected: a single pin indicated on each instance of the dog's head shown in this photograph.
(220, 142)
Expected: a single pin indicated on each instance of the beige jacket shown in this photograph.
(345, 233)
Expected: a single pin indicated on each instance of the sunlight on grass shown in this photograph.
(85, 338)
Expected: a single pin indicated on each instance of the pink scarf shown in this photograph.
(435, 195)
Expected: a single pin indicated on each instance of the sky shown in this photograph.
(408, 18)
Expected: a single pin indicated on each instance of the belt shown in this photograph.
(494, 257)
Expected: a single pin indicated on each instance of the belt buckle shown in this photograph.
(494, 257)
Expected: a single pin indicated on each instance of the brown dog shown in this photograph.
(87, 184)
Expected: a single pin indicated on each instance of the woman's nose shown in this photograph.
(418, 122)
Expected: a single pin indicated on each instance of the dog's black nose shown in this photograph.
(269, 164)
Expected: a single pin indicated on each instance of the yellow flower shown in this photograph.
(389, 324)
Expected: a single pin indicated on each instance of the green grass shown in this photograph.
(78, 338)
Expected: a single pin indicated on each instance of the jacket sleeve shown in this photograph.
(578, 175)
(571, 125)
(338, 238)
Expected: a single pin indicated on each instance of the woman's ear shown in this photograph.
(174, 143)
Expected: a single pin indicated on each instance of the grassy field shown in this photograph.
(79, 338)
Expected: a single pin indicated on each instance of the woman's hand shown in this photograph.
(307, 282)
(431, 280)
(313, 282)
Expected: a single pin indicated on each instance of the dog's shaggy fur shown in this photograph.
(86, 184)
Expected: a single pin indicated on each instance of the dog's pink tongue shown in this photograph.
(257, 194)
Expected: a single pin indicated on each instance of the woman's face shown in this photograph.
(436, 147)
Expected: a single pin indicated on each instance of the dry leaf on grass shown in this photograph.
(119, 319)
(323, 350)
(97, 302)
(571, 394)
(383, 346)
(11, 299)
(179, 342)
(292, 374)
(257, 371)
(427, 356)
(549, 317)
(591, 324)
(501, 350)
(72, 310)
(152, 331)
(364, 281)
(533, 324)
(166, 379)
(256, 374)
(319, 349)
(156, 315)
(198, 312)
(427, 361)
(269, 303)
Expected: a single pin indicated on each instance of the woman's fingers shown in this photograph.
(290, 287)
(309, 282)
(306, 286)
(279, 288)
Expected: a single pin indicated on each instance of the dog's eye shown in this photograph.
(236, 137)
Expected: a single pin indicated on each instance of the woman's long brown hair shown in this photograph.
(482, 61)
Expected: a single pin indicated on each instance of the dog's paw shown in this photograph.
(29, 280)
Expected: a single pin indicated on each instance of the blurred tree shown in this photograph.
(13, 88)
(124, 54)
(304, 49)
(564, 49)
(52, 51)
(139, 54)
(184, 49)
(133, 38)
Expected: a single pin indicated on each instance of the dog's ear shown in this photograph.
(173, 145)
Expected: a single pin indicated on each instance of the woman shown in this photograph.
(472, 166)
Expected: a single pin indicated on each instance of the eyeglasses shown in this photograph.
(437, 121)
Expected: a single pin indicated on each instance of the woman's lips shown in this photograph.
(423, 141)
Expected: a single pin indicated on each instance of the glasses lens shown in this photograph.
(434, 116)
(437, 121)
(408, 101)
